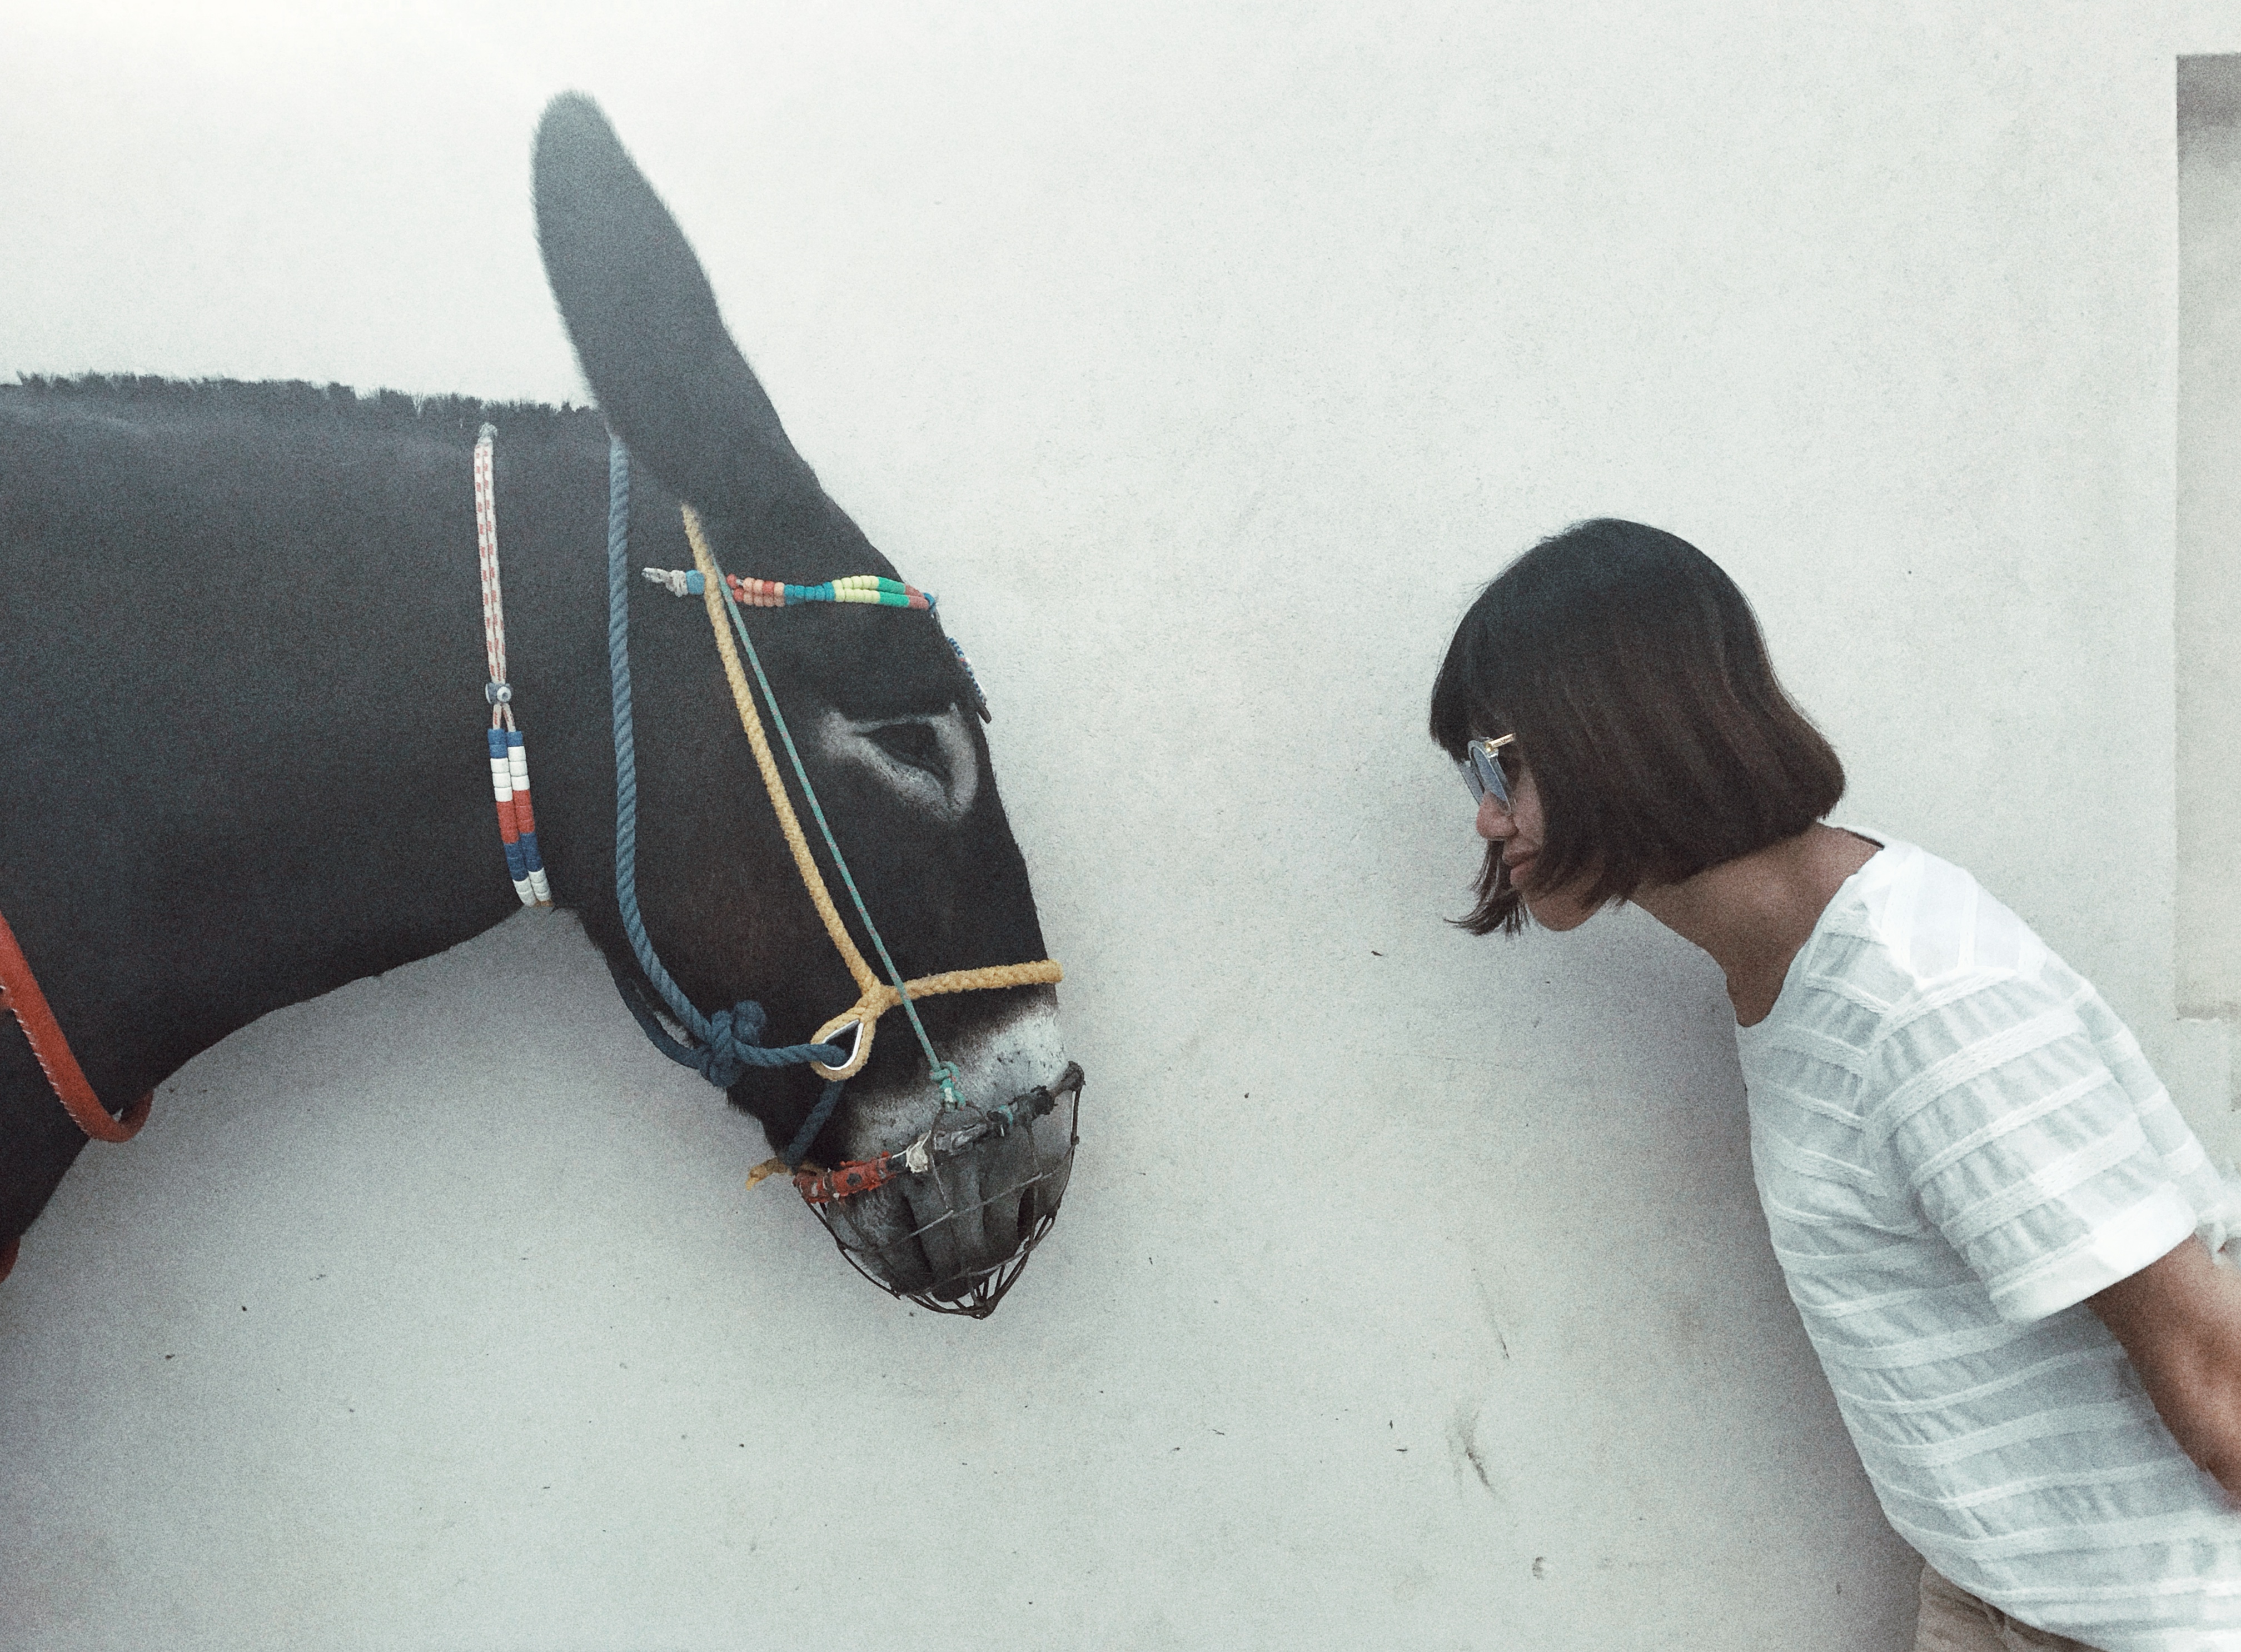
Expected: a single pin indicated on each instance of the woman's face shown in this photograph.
(1517, 833)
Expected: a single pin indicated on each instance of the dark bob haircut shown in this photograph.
(1633, 674)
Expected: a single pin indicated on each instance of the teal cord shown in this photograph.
(942, 1072)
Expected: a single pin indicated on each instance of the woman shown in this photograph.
(1997, 1226)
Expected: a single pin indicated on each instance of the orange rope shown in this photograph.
(20, 993)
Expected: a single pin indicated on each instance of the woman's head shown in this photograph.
(1655, 739)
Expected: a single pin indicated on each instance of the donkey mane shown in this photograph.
(295, 399)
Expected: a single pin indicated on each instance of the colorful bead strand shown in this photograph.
(509, 757)
(855, 587)
(871, 588)
(517, 822)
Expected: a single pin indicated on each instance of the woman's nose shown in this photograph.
(1495, 823)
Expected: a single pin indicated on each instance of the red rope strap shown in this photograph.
(843, 1181)
(21, 995)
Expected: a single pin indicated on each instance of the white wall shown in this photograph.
(2209, 544)
(1411, 1289)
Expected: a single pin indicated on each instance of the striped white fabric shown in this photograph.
(1956, 1142)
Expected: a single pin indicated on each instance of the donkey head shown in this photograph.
(883, 714)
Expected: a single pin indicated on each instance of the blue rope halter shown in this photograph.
(722, 1047)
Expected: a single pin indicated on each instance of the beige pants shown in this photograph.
(1953, 1619)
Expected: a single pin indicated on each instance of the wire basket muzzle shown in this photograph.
(949, 1223)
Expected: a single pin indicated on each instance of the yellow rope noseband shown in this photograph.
(876, 996)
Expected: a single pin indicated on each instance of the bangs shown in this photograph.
(1465, 706)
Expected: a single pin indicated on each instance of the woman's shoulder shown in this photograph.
(1911, 922)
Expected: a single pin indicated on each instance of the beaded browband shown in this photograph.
(776, 593)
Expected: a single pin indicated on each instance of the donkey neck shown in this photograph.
(256, 768)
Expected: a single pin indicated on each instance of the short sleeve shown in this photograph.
(2021, 1144)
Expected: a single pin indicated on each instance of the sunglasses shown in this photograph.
(1481, 767)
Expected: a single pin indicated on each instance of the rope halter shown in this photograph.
(723, 597)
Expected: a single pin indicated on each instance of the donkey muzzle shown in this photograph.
(950, 1220)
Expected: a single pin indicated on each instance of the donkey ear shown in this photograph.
(668, 377)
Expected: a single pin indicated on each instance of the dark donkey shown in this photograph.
(240, 722)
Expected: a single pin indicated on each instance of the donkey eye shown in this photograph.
(929, 761)
(915, 742)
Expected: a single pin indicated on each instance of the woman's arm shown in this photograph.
(2179, 1319)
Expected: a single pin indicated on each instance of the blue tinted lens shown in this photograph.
(1485, 774)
